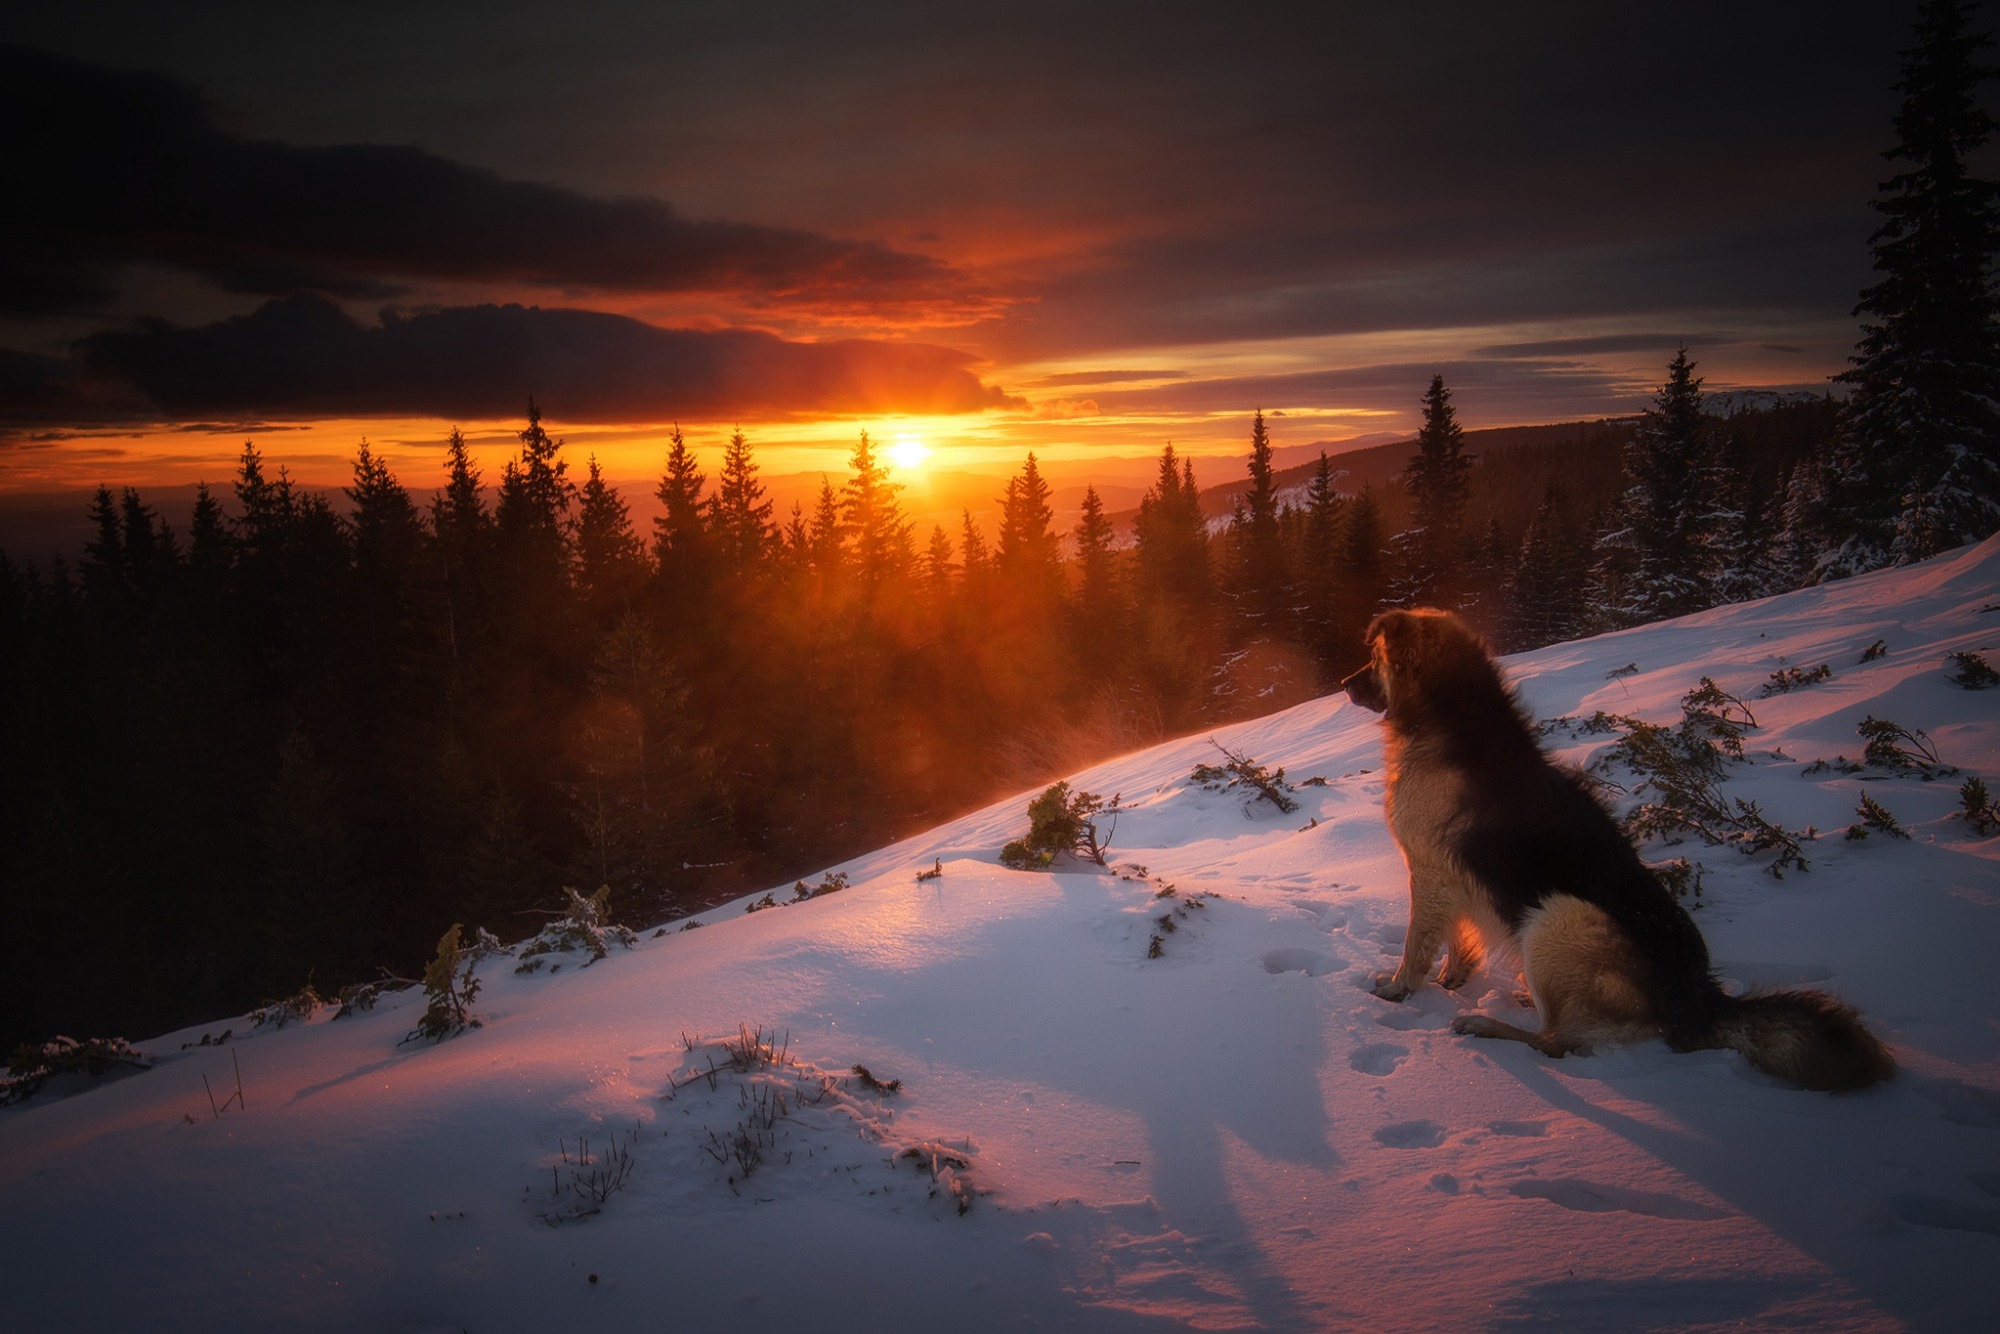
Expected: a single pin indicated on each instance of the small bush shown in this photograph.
(830, 883)
(1061, 824)
(278, 1013)
(1683, 768)
(586, 926)
(866, 1078)
(32, 1065)
(1972, 671)
(1878, 649)
(360, 997)
(451, 991)
(1792, 678)
(1893, 746)
(593, 1177)
(1240, 771)
(1977, 807)
(1875, 817)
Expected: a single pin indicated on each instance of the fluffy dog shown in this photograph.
(1507, 849)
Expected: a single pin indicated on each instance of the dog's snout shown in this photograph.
(1365, 689)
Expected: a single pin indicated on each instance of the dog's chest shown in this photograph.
(1421, 800)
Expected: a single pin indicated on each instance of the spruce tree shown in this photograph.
(872, 519)
(1171, 535)
(827, 544)
(938, 572)
(464, 532)
(1260, 589)
(1028, 558)
(1319, 562)
(1668, 518)
(683, 549)
(1432, 550)
(530, 515)
(610, 564)
(976, 560)
(1093, 534)
(1919, 470)
(740, 515)
(1547, 599)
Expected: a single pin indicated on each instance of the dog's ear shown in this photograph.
(1401, 637)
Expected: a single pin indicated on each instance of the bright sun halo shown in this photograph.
(908, 453)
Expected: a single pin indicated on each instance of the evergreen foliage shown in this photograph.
(1261, 586)
(1919, 463)
(1669, 519)
(1432, 550)
(1061, 824)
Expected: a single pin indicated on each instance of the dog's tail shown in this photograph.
(1802, 1037)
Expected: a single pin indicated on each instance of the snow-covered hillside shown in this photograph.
(1233, 1134)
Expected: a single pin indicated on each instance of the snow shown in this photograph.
(1232, 1135)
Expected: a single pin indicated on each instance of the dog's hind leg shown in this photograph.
(1486, 1026)
(1433, 914)
(1465, 950)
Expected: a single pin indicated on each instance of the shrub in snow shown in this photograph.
(360, 997)
(32, 1066)
(1892, 746)
(830, 883)
(584, 1180)
(1875, 817)
(1791, 678)
(1241, 771)
(866, 1078)
(586, 926)
(1683, 767)
(1972, 671)
(1061, 823)
(1977, 807)
(278, 1013)
(451, 987)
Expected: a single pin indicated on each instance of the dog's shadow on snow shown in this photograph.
(1761, 1147)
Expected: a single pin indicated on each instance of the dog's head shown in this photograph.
(1406, 649)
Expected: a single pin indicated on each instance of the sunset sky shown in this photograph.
(1081, 228)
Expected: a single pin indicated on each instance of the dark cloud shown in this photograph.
(1584, 347)
(132, 167)
(1099, 377)
(1484, 392)
(303, 356)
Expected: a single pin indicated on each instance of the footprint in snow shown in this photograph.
(1310, 962)
(1378, 1058)
(1410, 1135)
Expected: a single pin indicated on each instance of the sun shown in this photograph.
(907, 453)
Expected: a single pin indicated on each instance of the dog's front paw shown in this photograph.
(1389, 989)
(1474, 1025)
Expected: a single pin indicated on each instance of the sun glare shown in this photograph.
(907, 453)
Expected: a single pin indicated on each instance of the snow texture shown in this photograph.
(1231, 1135)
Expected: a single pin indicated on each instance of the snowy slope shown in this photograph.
(1232, 1135)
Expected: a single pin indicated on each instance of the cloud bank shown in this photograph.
(132, 168)
(304, 356)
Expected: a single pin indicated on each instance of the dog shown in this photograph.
(1509, 851)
